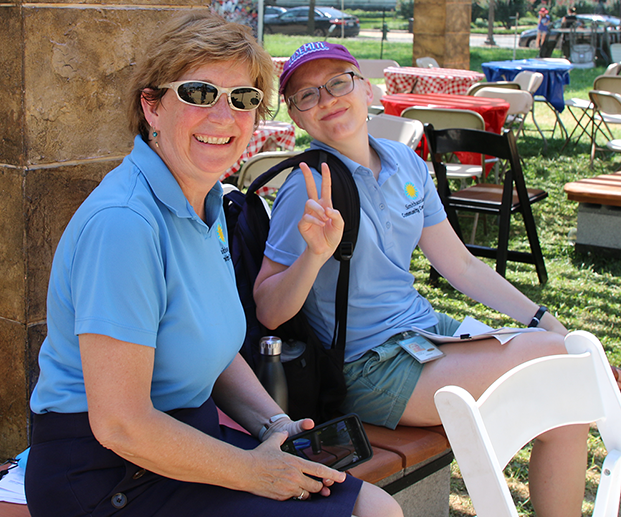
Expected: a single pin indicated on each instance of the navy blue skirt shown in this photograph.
(69, 474)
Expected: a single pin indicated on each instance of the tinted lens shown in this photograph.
(198, 93)
(245, 98)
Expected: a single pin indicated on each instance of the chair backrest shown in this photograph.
(427, 62)
(613, 68)
(606, 102)
(409, 132)
(258, 164)
(520, 101)
(529, 81)
(378, 93)
(608, 83)
(444, 118)
(495, 84)
(530, 399)
(374, 68)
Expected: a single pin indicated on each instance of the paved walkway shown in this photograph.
(476, 40)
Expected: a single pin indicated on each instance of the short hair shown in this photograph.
(190, 41)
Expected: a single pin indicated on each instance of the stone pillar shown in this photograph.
(442, 31)
(62, 128)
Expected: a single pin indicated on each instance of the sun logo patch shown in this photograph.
(411, 191)
(221, 235)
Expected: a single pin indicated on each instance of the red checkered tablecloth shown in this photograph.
(279, 64)
(269, 136)
(407, 79)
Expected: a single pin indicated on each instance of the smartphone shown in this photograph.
(340, 443)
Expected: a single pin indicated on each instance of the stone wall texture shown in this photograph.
(442, 31)
(62, 128)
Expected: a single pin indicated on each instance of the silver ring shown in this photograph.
(301, 496)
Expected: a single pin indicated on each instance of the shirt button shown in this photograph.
(388, 226)
(382, 206)
(139, 474)
(119, 500)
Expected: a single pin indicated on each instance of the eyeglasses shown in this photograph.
(338, 86)
(205, 95)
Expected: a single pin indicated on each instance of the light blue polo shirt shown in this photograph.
(394, 209)
(136, 263)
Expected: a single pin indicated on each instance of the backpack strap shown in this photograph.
(345, 199)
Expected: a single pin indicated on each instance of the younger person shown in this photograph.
(400, 209)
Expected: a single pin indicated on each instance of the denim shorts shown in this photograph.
(380, 383)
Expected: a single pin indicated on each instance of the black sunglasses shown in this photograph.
(205, 95)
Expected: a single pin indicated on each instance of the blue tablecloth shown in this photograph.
(555, 76)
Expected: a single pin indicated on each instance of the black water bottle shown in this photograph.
(270, 371)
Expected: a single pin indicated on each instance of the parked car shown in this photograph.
(328, 22)
(273, 10)
(529, 37)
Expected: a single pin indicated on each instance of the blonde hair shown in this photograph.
(190, 41)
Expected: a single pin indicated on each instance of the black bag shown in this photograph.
(315, 379)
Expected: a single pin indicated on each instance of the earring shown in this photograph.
(154, 136)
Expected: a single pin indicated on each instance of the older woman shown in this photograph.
(328, 97)
(144, 321)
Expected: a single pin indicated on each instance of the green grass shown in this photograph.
(584, 291)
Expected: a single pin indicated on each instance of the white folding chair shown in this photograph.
(258, 164)
(374, 69)
(493, 84)
(530, 82)
(427, 62)
(445, 118)
(520, 104)
(539, 395)
(613, 68)
(409, 132)
(607, 110)
(376, 106)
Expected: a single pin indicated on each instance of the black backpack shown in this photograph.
(316, 387)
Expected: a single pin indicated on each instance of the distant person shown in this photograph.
(543, 26)
(570, 19)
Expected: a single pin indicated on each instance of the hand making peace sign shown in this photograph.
(321, 225)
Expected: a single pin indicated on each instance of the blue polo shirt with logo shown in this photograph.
(394, 210)
(136, 263)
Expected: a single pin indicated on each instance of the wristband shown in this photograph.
(271, 420)
(537, 317)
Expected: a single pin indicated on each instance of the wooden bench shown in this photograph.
(599, 212)
(413, 464)
(410, 463)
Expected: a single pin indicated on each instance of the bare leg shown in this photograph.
(557, 471)
(374, 502)
(474, 366)
(558, 460)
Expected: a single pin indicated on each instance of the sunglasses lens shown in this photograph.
(246, 98)
(201, 94)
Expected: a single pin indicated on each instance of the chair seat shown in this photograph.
(459, 171)
(614, 145)
(490, 195)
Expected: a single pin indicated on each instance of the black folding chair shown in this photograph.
(502, 200)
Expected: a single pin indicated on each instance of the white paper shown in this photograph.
(473, 330)
(12, 486)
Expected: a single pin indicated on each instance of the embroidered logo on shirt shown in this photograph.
(411, 191)
(226, 255)
(416, 205)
